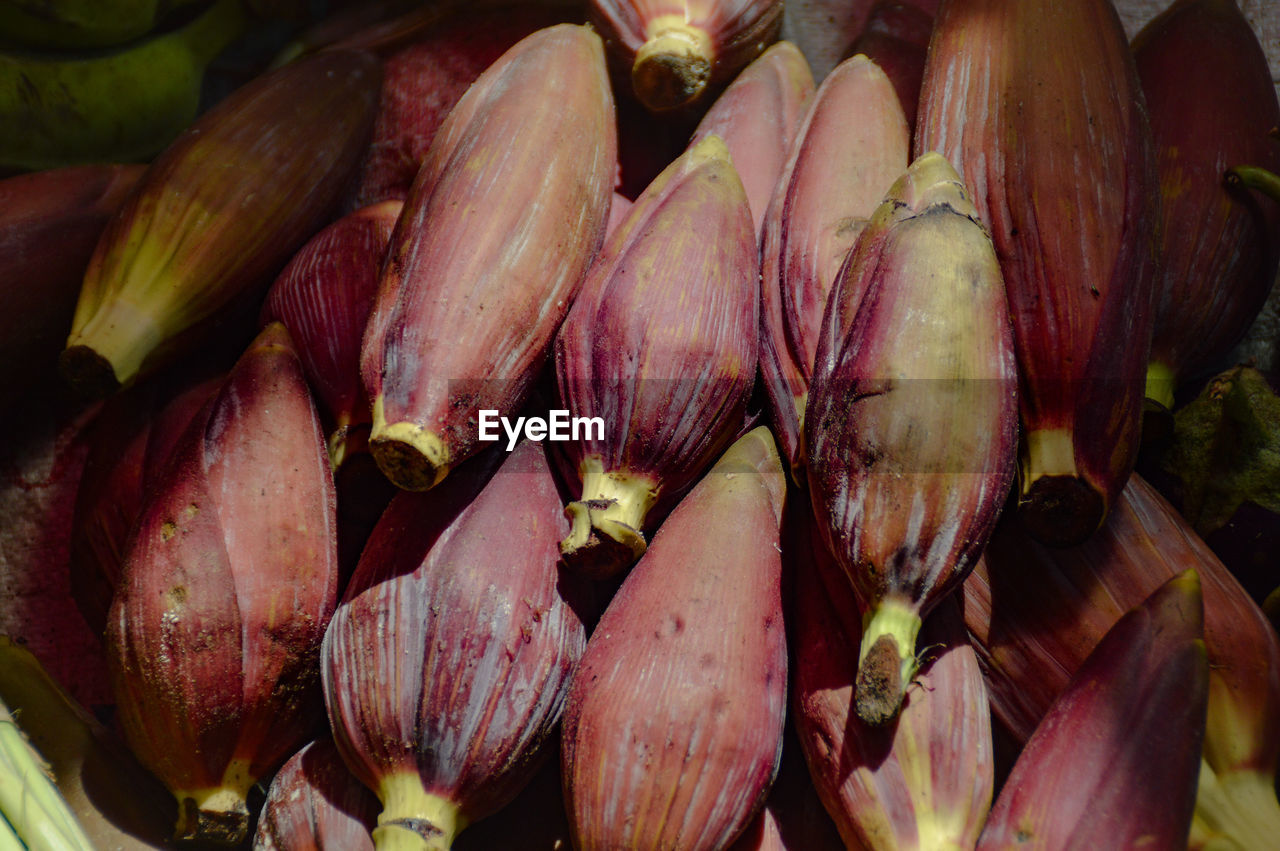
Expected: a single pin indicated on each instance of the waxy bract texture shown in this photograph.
(927, 780)
(1035, 612)
(324, 297)
(1219, 246)
(661, 346)
(757, 118)
(446, 666)
(674, 721)
(315, 803)
(489, 253)
(911, 424)
(850, 148)
(1037, 104)
(1113, 764)
(229, 582)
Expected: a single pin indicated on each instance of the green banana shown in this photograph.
(103, 798)
(76, 24)
(120, 106)
(33, 814)
(30, 804)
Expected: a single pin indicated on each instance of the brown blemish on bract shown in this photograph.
(878, 688)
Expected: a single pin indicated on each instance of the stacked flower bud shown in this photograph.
(489, 252)
(1038, 105)
(661, 347)
(230, 580)
(911, 423)
(851, 147)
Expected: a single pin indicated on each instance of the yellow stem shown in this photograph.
(122, 335)
(1049, 452)
(1161, 382)
(898, 619)
(606, 535)
(412, 818)
(1253, 177)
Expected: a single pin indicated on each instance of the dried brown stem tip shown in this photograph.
(599, 547)
(878, 689)
(211, 825)
(88, 373)
(1058, 506)
(673, 67)
(1061, 511)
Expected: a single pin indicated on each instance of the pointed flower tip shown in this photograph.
(784, 50)
(785, 66)
(388, 210)
(274, 336)
(1182, 593)
(757, 448)
(756, 453)
(710, 148)
(573, 37)
(1188, 581)
(861, 63)
(931, 181)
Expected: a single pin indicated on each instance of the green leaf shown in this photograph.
(1226, 449)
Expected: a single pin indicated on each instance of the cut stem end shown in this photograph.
(606, 536)
(1057, 505)
(217, 815)
(413, 458)
(672, 69)
(1253, 177)
(88, 373)
(109, 350)
(1061, 511)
